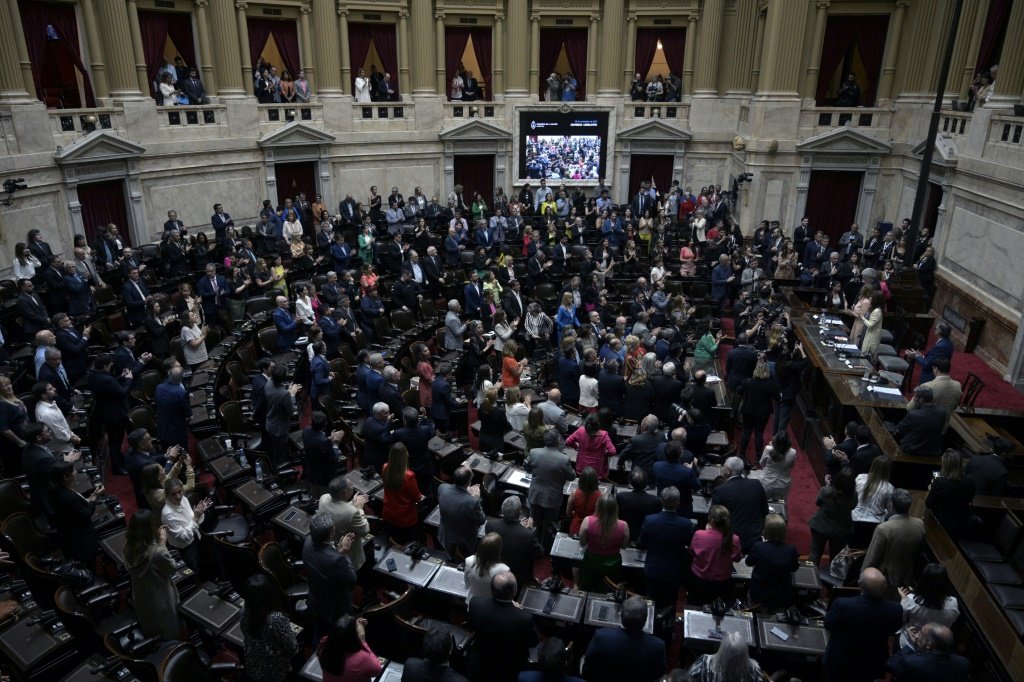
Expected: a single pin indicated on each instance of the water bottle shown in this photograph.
(259, 472)
(242, 461)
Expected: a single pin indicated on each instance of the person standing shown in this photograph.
(150, 567)
(280, 408)
(860, 628)
(666, 537)
(551, 469)
(329, 570)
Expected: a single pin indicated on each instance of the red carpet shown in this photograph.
(996, 395)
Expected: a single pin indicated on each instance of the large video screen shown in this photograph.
(559, 146)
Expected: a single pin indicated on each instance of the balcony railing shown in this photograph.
(70, 124)
(955, 123)
(307, 112)
(818, 120)
(676, 111)
(384, 116)
(190, 116)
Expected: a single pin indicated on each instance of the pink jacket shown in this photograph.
(593, 452)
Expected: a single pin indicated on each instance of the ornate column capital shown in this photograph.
(439, 16)
(822, 4)
(305, 8)
(202, 4)
(241, 5)
(535, 18)
(902, 4)
(594, 18)
(694, 17)
(631, 18)
(403, 13)
(499, 17)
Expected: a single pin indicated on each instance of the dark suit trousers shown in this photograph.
(663, 593)
(544, 519)
(115, 430)
(277, 449)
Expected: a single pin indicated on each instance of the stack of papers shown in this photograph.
(887, 392)
(831, 321)
(711, 378)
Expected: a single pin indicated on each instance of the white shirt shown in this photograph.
(480, 585)
(517, 415)
(50, 414)
(874, 509)
(362, 89)
(28, 270)
(182, 523)
(291, 229)
(193, 356)
(588, 391)
(304, 309)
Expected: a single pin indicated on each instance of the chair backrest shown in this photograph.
(382, 626)
(141, 417)
(427, 308)
(248, 358)
(44, 585)
(238, 373)
(77, 620)
(139, 667)
(237, 563)
(268, 340)
(383, 329)
(23, 534)
(274, 562)
(258, 304)
(149, 380)
(972, 387)
(1008, 533)
(231, 416)
(183, 665)
(402, 320)
(12, 499)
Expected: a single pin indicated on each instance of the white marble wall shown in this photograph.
(193, 196)
(984, 250)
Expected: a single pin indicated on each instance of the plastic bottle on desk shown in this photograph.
(259, 473)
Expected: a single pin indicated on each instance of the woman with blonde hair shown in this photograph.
(602, 536)
(859, 310)
(634, 352)
(517, 410)
(153, 477)
(873, 325)
(566, 315)
(639, 396)
(759, 394)
(483, 566)
(511, 368)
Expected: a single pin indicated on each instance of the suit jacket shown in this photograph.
(911, 665)
(34, 315)
(442, 404)
(519, 547)
(551, 469)
(320, 457)
(134, 462)
(895, 547)
(211, 296)
(172, 414)
(611, 389)
(286, 329)
(666, 393)
(37, 461)
(64, 391)
(504, 635)
(513, 308)
(942, 348)
(369, 383)
(125, 358)
(614, 655)
(704, 399)
(135, 301)
(461, 517)
(193, 89)
(920, 432)
(454, 329)
(739, 366)
(348, 519)
(72, 345)
(404, 294)
(110, 396)
(320, 377)
(946, 394)
(72, 515)
(280, 406)
(220, 223)
(861, 458)
(421, 670)
(377, 439)
(666, 537)
(433, 270)
(474, 299)
(989, 474)
(643, 451)
(331, 580)
(389, 393)
(79, 295)
(635, 507)
(259, 400)
(747, 503)
(860, 628)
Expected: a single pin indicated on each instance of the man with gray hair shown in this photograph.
(626, 653)
(666, 536)
(746, 501)
(551, 469)
(454, 328)
(897, 543)
(920, 432)
(667, 392)
(346, 508)
(519, 546)
(552, 410)
(389, 392)
(931, 658)
(859, 629)
(643, 447)
(503, 632)
(329, 572)
(370, 381)
(377, 437)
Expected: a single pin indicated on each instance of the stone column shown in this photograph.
(347, 83)
(784, 28)
(518, 45)
(534, 82)
(244, 59)
(706, 76)
(205, 51)
(755, 72)
(917, 59)
(612, 59)
(810, 86)
(961, 46)
(97, 69)
(225, 57)
(592, 54)
(743, 48)
(403, 51)
(422, 50)
(1009, 84)
(497, 85)
(689, 50)
(326, 56)
(117, 47)
(141, 68)
(13, 21)
(439, 65)
(977, 29)
(307, 60)
(628, 64)
(892, 43)
(12, 82)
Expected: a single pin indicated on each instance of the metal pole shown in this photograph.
(933, 132)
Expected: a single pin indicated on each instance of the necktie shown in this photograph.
(216, 291)
(139, 289)
(63, 376)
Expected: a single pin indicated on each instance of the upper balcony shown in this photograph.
(871, 120)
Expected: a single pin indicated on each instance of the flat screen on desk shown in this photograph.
(557, 146)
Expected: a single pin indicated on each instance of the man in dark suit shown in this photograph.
(377, 438)
(173, 223)
(461, 513)
(173, 410)
(642, 202)
(259, 395)
(551, 469)
(739, 366)
(920, 432)
(702, 397)
(37, 460)
(287, 327)
(348, 209)
(140, 455)
(320, 374)
(221, 221)
(368, 382)
(943, 348)
(504, 632)
(931, 659)
(280, 408)
(320, 453)
(636, 504)
(56, 290)
(213, 289)
(389, 393)
(643, 447)
(746, 501)
(626, 653)
(405, 293)
(124, 356)
(53, 372)
(34, 315)
(859, 629)
(513, 304)
(79, 292)
(611, 387)
(433, 667)
(136, 296)
(474, 296)
(329, 572)
(110, 405)
(865, 452)
(666, 537)
(415, 433)
(193, 88)
(666, 393)
(433, 272)
(519, 545)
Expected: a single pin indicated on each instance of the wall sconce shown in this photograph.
(89, 123)
(289, 115)
(474, 112)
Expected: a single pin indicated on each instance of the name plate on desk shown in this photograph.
(627, 431)
(451, 581)
(211, 448)
(254, 495)
(293, 520)
(699, 626)
(564, 606)
(418, 573)
(515, 440)
(367, 486)
(566, 547)
(808, 639)
(484, 466)
(603, 612)
(209, 610)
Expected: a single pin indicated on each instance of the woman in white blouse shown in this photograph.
(874, 494)
(25, 263)
(292, 227)
(362, 87)
(304, 312)
(457, 85)
(931, 602)
(503, 329)
(193, 341)
(588, 388)
(183, 522)
(517, 408)
(483, 566)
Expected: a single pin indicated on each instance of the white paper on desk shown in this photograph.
(849, 347)
(831, 321)
(887, 392)
(711, 378)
